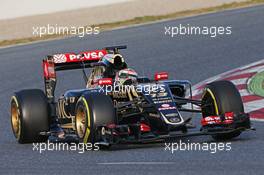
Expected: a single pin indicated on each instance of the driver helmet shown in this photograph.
(115, 61)
(126, 76)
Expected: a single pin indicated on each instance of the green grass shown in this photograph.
(142, 20)
(256, 85)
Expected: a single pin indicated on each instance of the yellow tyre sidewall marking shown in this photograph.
(13, 98)
(214, 99)
(87, 132)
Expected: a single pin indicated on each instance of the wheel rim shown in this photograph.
(15, 119)
(208, 107)
(81, 122)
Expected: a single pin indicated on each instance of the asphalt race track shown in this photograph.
(187, 57)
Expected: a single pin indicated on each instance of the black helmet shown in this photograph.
(115, 61)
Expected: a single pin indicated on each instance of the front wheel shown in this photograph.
(93, 110)
(220, 97)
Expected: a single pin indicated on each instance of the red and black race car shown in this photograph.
(118, 106)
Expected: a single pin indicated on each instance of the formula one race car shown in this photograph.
(118, 106)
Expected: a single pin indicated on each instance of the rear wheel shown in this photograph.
(93, 110)
(220, 97)
(29, 115)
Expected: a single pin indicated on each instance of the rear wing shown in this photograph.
(69, 61)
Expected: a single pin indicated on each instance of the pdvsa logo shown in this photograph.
(87, 55)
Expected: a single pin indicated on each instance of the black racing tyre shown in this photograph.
(29, 115)
(220, 97)
(93, 110)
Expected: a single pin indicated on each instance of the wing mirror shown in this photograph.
(105, 81)
(161, 76)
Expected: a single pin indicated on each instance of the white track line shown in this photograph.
(251, 65)
(252, 70)
(257, 119)
(240, 81)
(136, 163)
(254, 105)
(244, 92)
